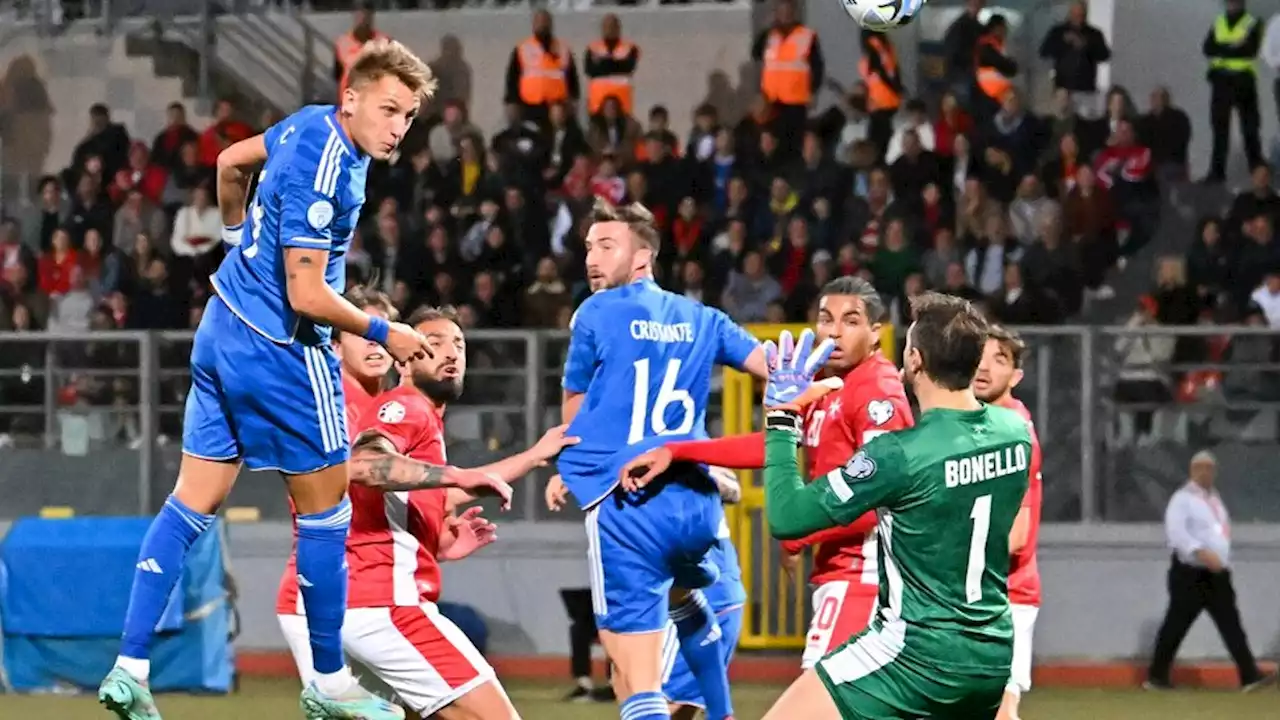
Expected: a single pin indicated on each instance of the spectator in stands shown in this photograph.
(613, 131)
(1124, 168)
(914, 169)
(915, 119)
(153, 306)
(55, 266)
(101, 264)
(957, 283)
(1209, 263)
(1166, 129)
(140, 256)
(225, 131)
(1076, 49)
(70, 310)
(964, 165)
(453, 126)
(147, 177)
(846, 123)
(988, 254)
(936, 210)
(1258, 253)
(1027, 207)
(750, 290)
(138, 215)
(1062, 120)
(894, 260)
(1143, 377)
(1267, 297)
(938, 258)
(1250, 383)
(1059, 174)
(972, 210)
(167, 147)
(547, 296)
(702, 137)
(19, 287)
(90, 209)
(1017, 303)
(816, 175)
(1259, 197)
(51, 211)
(197, 226)
(952, 122)
(184, 178)
(106, 140)
(1091, 227)
(13, 252)
(25, 387)
(1052, 264)
(1015, 132)
(960, 45)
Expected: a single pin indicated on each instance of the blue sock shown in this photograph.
(322, 578)
(699, 635)
(645, 705)
(160, 561)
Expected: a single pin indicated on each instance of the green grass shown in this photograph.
(278, 700)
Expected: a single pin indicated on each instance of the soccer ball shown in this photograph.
(882, 15)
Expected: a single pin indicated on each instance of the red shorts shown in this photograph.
(416, 653)
(841, 609)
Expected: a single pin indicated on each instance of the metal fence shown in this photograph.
(93, 422)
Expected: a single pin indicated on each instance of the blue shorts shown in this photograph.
(639, 545)
(678, 682)
(275, 407)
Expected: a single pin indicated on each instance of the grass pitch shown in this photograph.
(278, 700)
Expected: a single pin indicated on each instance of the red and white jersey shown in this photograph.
(872, 402)
(394, 536)
(1024, 571)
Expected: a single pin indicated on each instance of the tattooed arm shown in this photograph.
(310, 296)
(375, 463)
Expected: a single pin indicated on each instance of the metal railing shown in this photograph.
(94, 421)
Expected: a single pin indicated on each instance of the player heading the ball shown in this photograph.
(265, 385)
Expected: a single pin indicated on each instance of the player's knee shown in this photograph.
(487, 702)
(318, 491)
(203, 485)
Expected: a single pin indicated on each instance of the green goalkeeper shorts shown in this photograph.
(871, 678)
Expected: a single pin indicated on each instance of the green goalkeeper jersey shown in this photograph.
(947, 492)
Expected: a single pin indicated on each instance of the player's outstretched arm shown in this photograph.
(793, 508)
(375, 463)
(521, 464)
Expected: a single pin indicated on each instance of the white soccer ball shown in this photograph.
(882, 15)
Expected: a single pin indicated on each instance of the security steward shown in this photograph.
(1232, 49)
(878, 68)
(349, 44)
(792, 71)
(541, 72)
(994, 68)
(610, 66)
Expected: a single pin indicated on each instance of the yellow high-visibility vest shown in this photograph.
(1224, 34)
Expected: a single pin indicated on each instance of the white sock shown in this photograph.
(336, 683)
(586, 684)
(140, 670)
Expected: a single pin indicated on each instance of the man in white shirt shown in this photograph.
(1199, 533)
(1267, 297)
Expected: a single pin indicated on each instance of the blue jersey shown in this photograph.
(727, 592)
(309, 196)
(644, 358)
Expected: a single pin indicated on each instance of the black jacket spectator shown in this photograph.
(1166, 130)
(1076, 48)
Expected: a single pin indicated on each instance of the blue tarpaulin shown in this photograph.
(64, 587)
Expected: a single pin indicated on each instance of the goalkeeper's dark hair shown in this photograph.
(855, 286)
(1010, 342)
(367, 296)
(950, 335)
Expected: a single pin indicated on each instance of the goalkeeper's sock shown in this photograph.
(160, 562)
(645, 706)
(699, 634)
(322, 579)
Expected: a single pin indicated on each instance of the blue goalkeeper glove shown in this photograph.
(792, 367)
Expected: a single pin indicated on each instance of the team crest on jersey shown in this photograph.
(880, 411)
(391, 413)
(860, 467)
(320, 214)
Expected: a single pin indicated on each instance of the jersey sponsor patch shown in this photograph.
(320, 214)
(391, 413)
(880, 411)
(860, 467)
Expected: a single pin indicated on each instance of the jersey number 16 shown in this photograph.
(655, 418)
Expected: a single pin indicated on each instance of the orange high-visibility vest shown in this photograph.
(543, 75)
(786, 76)
(991, 81)
(880, 94)
(618, 86)
(348, 48)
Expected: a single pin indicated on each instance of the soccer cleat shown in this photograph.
(127, 697)
(355, 704)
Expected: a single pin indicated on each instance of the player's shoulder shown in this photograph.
(1008, 422)
(402, 405)
(876, 379)
(1018, 407)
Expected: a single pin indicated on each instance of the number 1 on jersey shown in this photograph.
(656, 417)
(981, 516)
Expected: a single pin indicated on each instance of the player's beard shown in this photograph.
(440, 391)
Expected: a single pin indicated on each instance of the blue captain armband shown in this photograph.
(378, 330)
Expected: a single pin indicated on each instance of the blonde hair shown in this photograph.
(383, 57)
